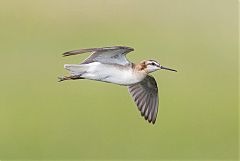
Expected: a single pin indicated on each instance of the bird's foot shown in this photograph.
(63, 78)
(72, 77)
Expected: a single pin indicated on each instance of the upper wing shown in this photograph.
(145, 95)
(115, 54)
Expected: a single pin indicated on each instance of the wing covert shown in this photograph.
(115, 54)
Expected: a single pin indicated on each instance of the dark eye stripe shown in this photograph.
(152, 62)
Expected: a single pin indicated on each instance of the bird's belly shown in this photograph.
(113, 74)
(121, 79)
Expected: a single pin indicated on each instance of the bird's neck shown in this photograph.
(140, 67)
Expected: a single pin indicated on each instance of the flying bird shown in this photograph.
(109, 64)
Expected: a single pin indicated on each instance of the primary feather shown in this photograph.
(145, 95)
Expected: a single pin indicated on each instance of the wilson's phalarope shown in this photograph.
(109, 64)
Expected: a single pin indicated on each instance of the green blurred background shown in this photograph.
(43, 119)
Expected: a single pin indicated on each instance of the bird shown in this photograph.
(110, 64)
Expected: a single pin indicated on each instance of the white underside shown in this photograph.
(106, 73)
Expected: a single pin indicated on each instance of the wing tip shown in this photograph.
(153, 121)
(66, 54)
(148, 118)
(74, 52)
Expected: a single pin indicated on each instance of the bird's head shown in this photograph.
(152, 65)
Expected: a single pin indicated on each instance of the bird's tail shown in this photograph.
(76, 69)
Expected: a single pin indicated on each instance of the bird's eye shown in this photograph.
(153, 64)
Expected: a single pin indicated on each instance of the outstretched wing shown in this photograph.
(115, 54)
(145, 95)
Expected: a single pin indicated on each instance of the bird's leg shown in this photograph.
(72, 77)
